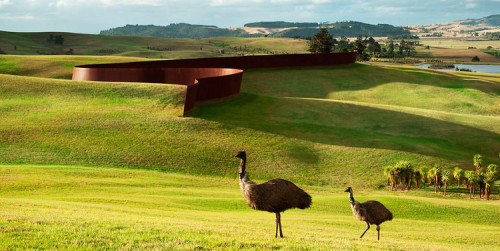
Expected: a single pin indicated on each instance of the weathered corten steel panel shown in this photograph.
(207, 79)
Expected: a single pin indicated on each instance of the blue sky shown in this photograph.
(92, 16)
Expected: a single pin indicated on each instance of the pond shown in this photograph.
(473, 67)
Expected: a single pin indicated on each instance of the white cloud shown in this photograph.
(131, 2)
(26, 17)
(4, 2)
(469, 4)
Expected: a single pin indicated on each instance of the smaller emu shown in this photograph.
(274, 196)
(372, 212)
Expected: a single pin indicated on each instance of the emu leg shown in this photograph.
(378, 231)
(278, 217)
(367, 227)
(277, 223)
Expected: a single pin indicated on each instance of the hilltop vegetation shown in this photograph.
(296, 30)
(180, 30)
(280, 24)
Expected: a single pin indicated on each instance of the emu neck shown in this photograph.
(351, 199)
(242, 171)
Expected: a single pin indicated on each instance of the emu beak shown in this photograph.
(347, 190)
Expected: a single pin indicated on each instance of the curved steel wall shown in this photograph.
(207, 79)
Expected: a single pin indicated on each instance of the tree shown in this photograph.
(470, 176)
(435, 174)
(489, 179)
(458, 173)
(322, 42)
(388, 173)
(343, 45)
(424, 170)
(360, 46)
(445, 176)
(406, 173)
(475, 59)
(478, 161)
(390, 51)
(418, 175)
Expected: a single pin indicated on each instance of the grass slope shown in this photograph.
(337, 128)
(32, 43)
(72, 207)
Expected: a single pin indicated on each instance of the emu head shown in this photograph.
(241, 155)
(348, 190)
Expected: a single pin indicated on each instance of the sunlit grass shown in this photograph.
(72, 207)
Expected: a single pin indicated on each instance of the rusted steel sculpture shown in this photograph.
(207, 79)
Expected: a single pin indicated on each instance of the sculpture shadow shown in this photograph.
(351, 125)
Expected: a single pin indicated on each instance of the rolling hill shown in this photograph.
(347, 122)
(39, 43)
(258, 29)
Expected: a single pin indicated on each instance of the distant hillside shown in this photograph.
(493, 20)
(280, 24)
(347, 29)
(460, 28)
(180, 30)
(275, 29)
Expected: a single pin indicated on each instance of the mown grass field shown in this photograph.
(74, 207)
(73, 157)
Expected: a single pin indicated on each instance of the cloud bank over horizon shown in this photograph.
(92, 16)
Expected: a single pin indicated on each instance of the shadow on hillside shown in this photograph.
(298, 82)
(352, 125)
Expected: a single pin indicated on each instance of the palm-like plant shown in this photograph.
(434, 174)
(388, 171)
(488, 180)
(424, 170)
(470, 176)
(458, 173)
(445, 176)
(492, 168)
(478, 161)
(406, 173)
(417, 175)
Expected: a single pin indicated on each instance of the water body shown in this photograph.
(473, 67)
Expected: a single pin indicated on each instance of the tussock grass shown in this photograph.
(73, 207)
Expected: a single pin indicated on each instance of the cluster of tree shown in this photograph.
(348, 29)
(404, 175)
(176, 30)
(281, 24)
(367, 47)
(492, 35)
(303, 30)
(158, 48)
(57, 39)
(405, 36)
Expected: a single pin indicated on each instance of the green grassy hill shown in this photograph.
(326, 126)
(38, 43)
(73, 158)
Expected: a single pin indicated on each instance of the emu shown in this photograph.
(274, 196)
(372, 212)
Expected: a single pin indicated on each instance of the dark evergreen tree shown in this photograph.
(322, 42)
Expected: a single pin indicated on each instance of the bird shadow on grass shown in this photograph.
(352, 125)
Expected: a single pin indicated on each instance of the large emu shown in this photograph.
(274, 196)
(372, 212)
